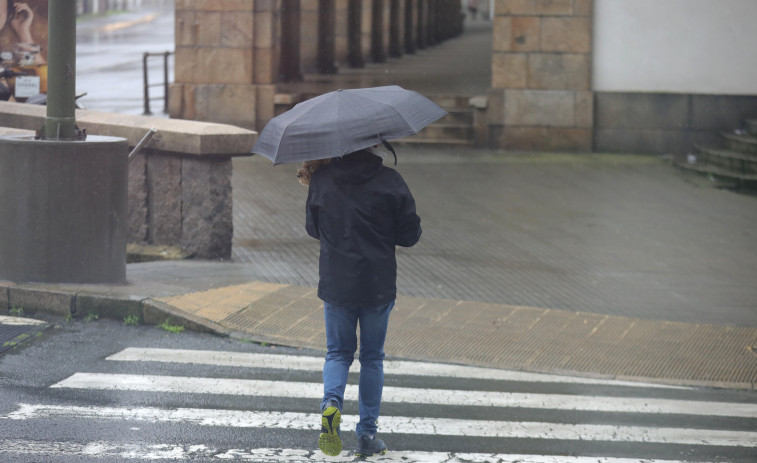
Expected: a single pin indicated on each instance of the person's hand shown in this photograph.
(22, 22)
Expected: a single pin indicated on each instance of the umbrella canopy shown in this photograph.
(343, 121)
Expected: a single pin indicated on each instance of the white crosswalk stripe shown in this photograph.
(109, 450)
(187, 385)
(396, 367)
(401, 425)
(664, 421)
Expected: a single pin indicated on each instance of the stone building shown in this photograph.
(231, 54)
(573, 75)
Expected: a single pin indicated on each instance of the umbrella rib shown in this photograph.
(384, 104)
(414, 132)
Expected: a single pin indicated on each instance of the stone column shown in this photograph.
(386, 23)
(378, 32)
(226, 61)
(326, 37)
(432, 12)
(355, 55)
(289, 57)
(341, 35)
(541, 96)
(366, 27)
(411, 19)
(396, 28)
(422, 23)
(309, 36)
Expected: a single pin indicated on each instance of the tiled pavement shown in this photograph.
(599, 264)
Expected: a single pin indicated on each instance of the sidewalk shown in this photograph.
(268, 294)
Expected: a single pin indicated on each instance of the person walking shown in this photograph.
(360, 210)
(473, 8)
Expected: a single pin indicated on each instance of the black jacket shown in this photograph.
(359, 210)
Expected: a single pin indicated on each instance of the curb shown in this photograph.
(81, 303)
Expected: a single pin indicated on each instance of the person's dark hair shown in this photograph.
(11, 12)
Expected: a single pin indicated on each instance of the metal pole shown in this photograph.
(60, 123)
(147, 84)
(165, 82)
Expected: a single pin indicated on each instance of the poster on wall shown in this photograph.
(23, 49)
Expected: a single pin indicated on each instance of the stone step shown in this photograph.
(455, 128)
(444, 131)
(751, 125)
(717, 171)
(740, 142)
(139, 252)
(734, 161)
(458, 116)
(433, 141)
(451, 102)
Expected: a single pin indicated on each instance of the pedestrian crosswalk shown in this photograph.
(432, 413)
(306, 390)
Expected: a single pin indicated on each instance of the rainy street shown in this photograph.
(560, 268)
(109, 60)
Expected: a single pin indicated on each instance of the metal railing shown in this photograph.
(147, 84)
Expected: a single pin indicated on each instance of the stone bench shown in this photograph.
(179, 183)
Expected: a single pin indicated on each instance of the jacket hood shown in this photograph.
(357, 167)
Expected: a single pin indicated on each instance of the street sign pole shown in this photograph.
(60, 123)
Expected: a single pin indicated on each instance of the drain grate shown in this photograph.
(11, 335)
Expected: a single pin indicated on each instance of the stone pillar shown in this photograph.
(355, 55)
(432, 12)
(422, 23)
(378, 32)
(226, 62)
(541, 96)
(386, 21)
(326, 37)
(396, 28)
(309, 36)
(289, 58)
(341, 35)
(411, 19)
(366, 27)
(448, 19)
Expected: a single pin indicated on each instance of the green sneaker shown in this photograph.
(330, 440)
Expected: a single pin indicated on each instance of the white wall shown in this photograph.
(680, 46)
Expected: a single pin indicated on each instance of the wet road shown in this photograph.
(99, 390)
(109, 54)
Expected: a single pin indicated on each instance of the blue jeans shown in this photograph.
(341, 342)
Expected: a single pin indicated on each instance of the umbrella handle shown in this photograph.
(389, 147)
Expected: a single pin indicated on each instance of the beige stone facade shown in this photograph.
(226, 61)
(231, 54)
(541, 96)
